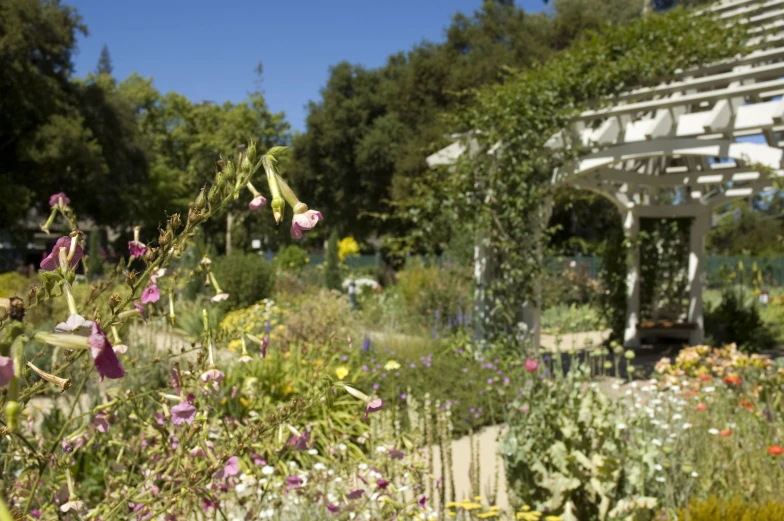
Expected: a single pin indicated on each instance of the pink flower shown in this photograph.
(304, 221)
(396, 454)
(293, 481)
(137, 249)
(300, 442)
(196, 452)
(6, 370)
(141, 311)
(373, 406)
(151, 294)
(333, 509)
(158, 274)
(183, 412)
(231, 468)
(104, 358)
(257, 202)
(100, 423)
(531, 365)
(212, 375)
(356, 494)
(382, 483)
(422, 501)
(52, 261)
(56, 199)
(264, 344)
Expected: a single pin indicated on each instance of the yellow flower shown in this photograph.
(451, 504)
(467, 505)
(451, 514)
(288, 390)
(392, 365)
(341, 372)
(487, 515)
(347, 246)
(528, 516)
(552, 518)
(477, 498)
(495, 508)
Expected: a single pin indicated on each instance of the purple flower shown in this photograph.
(257, 202)
(422, 501)
(333, 509)
(59, 198)
(412, 365)
(232, 468)
(264, 344)
(396, 454)
(175, 381)
(151, 294)
(293, 481)
(366, 344)
(373, 406)
(300, 442)
(104, 358)
(402, 396)
(35, 513)
(137, 249)
(375, 387)
(344, 358)
(304, 221)
(52, 261)
(183, 412)
(212, 375)
(489, 380)
(382, 483)
(6, 370)
(356, 494)
(100, 423)
(257, 460)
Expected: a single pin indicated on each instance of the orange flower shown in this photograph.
(705, 377)
(775, 450)
(725, 433)
(732, 379)
(701, 406)
(746, 405)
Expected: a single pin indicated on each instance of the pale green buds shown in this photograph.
(12, 412)
(220, 180)
(356, 394)
(229, 171)
(278, 205)
(201, 199)
(213, 196)
(251, 153)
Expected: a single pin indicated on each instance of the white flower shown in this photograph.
(660, 479)
(657, 442)
(713, 431)
(292, 464)
(655, 422)
(709, 389)
(732, 426)
(342, 447)
(312, 452)
(319, 466)
(621, 426)
(694, 474)
(267, 470)
(686, 425)
(676, 417)
(381, 449)
(628, 392)
(657, 467)
(242, 489)
(665, 426)
(362, 466)
(615, 387)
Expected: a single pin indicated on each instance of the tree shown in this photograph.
(104, 62)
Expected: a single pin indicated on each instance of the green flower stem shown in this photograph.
(288, 193)
(214, 283)
(5, 514)
(50, 220)
(68, 291)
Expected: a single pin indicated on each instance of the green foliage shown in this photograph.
(434, 296)
(332, 277)
(612, 297)
(320, 322)
(13, 284)
(507, 189)
(572, 318)
(246, 277)
(292, 257)
(748, 229)
(736, 509)
(664, 262)
(94, 257)
(733, 320)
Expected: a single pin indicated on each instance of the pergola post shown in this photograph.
(699, 228)
(481, 274)
(631, 230)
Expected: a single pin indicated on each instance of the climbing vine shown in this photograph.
(503, 191)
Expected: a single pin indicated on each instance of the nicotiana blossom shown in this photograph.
(334, 509)
(160, 272)
(304, 221)
(219, 297)
(59, 199)
(293, 481)
(141, 311)
(373, 406)
(72, 504)
(104, 358)
(184, 412)
(52, 261)
(137, 249)
(100, 423)
(231, 468)
(212, 375)
(257, 202)
(356, 494)
(151, 294)
(6, 370)
(75, 324)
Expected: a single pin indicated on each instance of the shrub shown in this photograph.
(574, 318)
(246, 277)
(321, 321)
(434, 297)
(13, 284)
(292, 258)
(734, 322)
(736, 509)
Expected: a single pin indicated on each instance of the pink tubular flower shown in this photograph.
(356, 494)
(183, 412)
(6, 370)
(100, 422)
(422, 501)
(304, 221)
(212, 375)
(300, 442)
(56, 199)
(137, 249)
(264, 344)
(141, 311)
(257, 202)
(52, 261)
(333, 509)
(396, 454)
(531, 365)
(151, 294)
(232, 468)
(382, 483)
(373, 406)
(104, 358)
(293, 481)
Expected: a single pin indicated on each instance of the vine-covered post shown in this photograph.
(481, 279)
(699, 228)
(631, 230)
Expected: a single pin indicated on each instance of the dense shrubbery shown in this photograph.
(733, 320)
(246, 277)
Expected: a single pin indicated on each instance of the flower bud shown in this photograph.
(220, 180)
(114, 300)
(201, 199)
(174, 221)
(213, 196)
(12, 412)
(278, 205)
(130, 278)
(149, 255)
(629, 355)
(251, 153)
(164, 238)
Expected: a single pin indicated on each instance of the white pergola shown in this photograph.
(679, 149)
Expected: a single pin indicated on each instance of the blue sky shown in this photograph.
(208, 50)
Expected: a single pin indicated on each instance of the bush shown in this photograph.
(734, 322)
(292, 258)
(321, 322)
(435, 297)
(13, 284)
(574, 318)
(716, 509)
(332, 277)
(246, 277)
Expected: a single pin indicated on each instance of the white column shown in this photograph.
(631, 230)
(699, 228)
